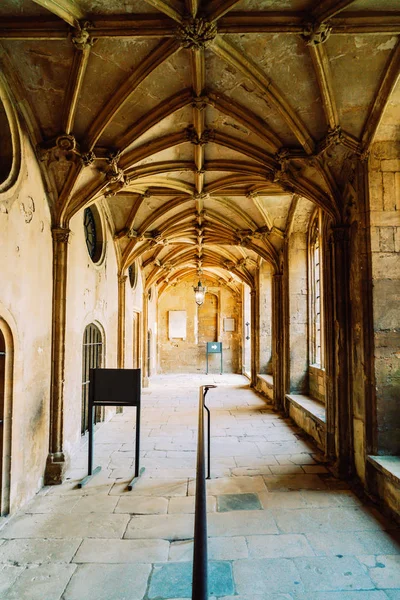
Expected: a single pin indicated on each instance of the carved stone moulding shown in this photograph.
(196, 33)
(81, 37)
(316, 33)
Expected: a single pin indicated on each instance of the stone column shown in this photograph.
(342, 350)
(121, 326)
(278, 339)
(145, 328)
(254, 332)
(56, 464)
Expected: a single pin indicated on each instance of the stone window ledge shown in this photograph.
(269, 380)
(389, 466)
(315, 409)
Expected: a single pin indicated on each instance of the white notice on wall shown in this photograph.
(229, 324)
(177, 324)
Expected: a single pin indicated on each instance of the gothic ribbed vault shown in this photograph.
(198, 124)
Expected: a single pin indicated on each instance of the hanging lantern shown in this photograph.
(199, 293)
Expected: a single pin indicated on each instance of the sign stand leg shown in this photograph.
(138, 471)
(91, 472)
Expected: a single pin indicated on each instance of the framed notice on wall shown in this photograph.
(177, 324)
(229, 324)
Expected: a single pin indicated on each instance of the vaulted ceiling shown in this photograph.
(200, 122)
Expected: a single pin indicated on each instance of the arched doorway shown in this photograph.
(92, 354)
(208, 319)
(6, 386)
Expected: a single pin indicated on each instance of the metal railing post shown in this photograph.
(200, 558)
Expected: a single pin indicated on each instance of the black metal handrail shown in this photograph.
(200, 561)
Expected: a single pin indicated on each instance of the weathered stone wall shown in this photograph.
(152, 326)
(180, 356)
(246, 343)
(92, 297)
(298, 309)
(385, 249)
(26, 305)
(133, 311)
(316, 383)
(265, 320)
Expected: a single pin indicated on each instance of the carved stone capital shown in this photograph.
(122, 279)
(316, 33)
(200, 102)
(62, 148)
(88, 158)
(192, 136)
(60, 234)
(252, 195)
(132, 234)
(81, 38)
(196, 33)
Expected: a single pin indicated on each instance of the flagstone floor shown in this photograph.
(280, 526)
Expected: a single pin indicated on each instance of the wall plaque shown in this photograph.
(177, 324)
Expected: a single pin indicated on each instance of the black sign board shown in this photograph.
(113, 387)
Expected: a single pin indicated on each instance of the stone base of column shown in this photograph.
(56, 467)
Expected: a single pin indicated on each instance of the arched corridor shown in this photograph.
(280, 524)
(192, 185)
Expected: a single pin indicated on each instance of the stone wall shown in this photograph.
(316, 383)
(265, 320)
(92, 297)
(187, 355)
(385, 258)
(25, 307)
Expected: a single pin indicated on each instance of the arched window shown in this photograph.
(92, 354)
(315, 287)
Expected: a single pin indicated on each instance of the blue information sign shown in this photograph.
(214, 348)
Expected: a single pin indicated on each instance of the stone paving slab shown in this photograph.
(354, 542)
(108, 582)
(174, 580)
(360, 595)
(167, 527)
(266, 575)
(42, 582)
(243, 522)
(8, 575)
(229, 502)
(122, 551)
(385, 572)
(282, 483)
(310, 520)
(38, 551)
(279, 546)
(186, 505)
(52, 526)
(147, 486)
(222, 548)
(141, 505)
(331, 573)
(231, 485)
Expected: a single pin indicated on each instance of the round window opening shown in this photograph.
(9, 146)
(93, 233)
(132, 272)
